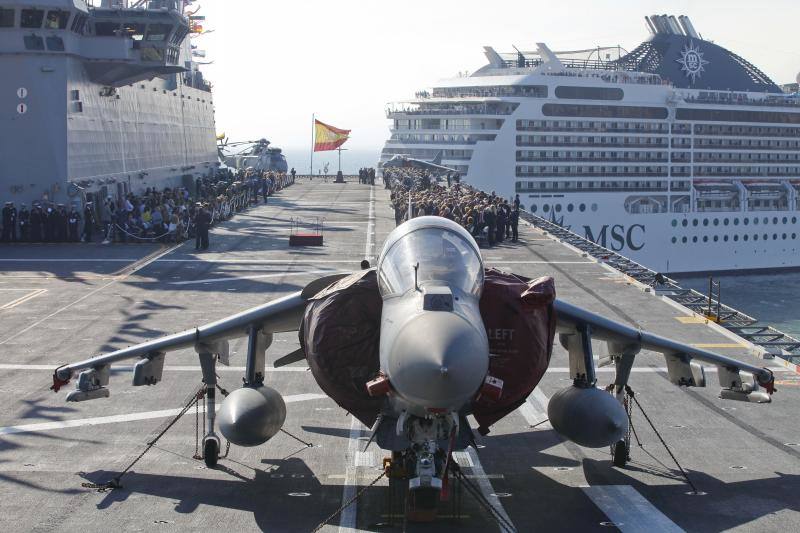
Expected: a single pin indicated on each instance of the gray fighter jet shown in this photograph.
(432, 362)
(434, 165)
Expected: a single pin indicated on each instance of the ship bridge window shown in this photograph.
(55, 44)
(106, 29)
(79, 23)
(32, 18)
(33, 42)
(56, 20)
(6, 18)
(158, 32)
(134, 30)
(589, 93)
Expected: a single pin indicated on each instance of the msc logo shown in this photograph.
(616, 237)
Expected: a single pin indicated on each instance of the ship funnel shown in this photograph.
(674, 26)
(688, 28)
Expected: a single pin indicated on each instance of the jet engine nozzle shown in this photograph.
(590, 416)
(251, 416)
(438, 360)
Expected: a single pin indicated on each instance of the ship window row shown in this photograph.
(735, 115)
(31, 18)
(441, 138)
(585, 140)
(746, 131)
(583, 185)
(485, 108)
(572, 155)
(604, 111)
(447, 124)
(423, 153)
(557, 208)
(748, 157)
(531, 91)
(761, 144)
(793, 171)
(736, 238)
(696, 222)
(35, 42)
(592, 126)
(530, 170)
(571, 92)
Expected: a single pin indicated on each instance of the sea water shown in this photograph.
(772, 298)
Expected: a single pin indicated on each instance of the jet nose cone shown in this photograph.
(438, 360)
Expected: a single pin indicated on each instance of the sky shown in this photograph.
(276, 63)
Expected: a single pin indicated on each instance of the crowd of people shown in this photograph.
(489, 218)
(167, 215)
(366, 176)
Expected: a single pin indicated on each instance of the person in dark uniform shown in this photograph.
(88, 221)
(24, 223)
(500, 224)
(202, 222)
(73, 224)
(49, 223)
(292, 173)
(9, 222)
(60, 223)
(514, 225)
(36, 223)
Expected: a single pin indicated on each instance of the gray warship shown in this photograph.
(100, 99)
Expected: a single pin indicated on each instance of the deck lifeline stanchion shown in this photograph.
(773, 341)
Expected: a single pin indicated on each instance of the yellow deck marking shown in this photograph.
(691, 319)
(31, 295)
(719, 345)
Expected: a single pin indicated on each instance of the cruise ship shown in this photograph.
(100, 100)
(680, 154)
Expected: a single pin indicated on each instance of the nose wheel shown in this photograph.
(211, 452)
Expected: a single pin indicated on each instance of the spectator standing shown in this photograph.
(202, 221)
(88, 221)
(9, 222)
(73, 224)
(24, 223)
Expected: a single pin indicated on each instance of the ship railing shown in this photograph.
(736, 99)
(770, 340)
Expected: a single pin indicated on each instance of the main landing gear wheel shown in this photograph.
(620, 453)
(211, 452)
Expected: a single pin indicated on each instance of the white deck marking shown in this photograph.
(255, 276)
(68, 260)
(130, 417)
(348, 520)
(349, 517)
(171, 368)
(192, 368)
(477, 474)
(133, 270)
(629, 510)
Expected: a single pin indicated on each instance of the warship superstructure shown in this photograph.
(100, 100)
(681, 154)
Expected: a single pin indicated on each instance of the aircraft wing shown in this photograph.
(577, 327)
(281, 315)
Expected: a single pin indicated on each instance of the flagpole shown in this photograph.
(313, 123)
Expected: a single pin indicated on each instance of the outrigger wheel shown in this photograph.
(620, 453)
(211, 452)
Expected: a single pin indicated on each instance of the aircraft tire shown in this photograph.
(620, 453)
(211, 453)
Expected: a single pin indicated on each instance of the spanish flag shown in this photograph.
(327, 137)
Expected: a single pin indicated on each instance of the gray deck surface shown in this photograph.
(60, 303)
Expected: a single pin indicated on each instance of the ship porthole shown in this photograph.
(594, 207)
(716, 222)
(684, 222)
(674, 240)
(570, 207)
(582, 208)
(725, 238)
(705, 238)
(674, 222)
(683, 240)
(694, 239)
(716, 238)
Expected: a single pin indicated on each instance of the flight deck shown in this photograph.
(61, 303)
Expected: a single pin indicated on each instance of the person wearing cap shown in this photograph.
(88, 221)
(9, 222)
(36, 223)
(60, 223)
(73, 224)
(202, 222)
(24, 223)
